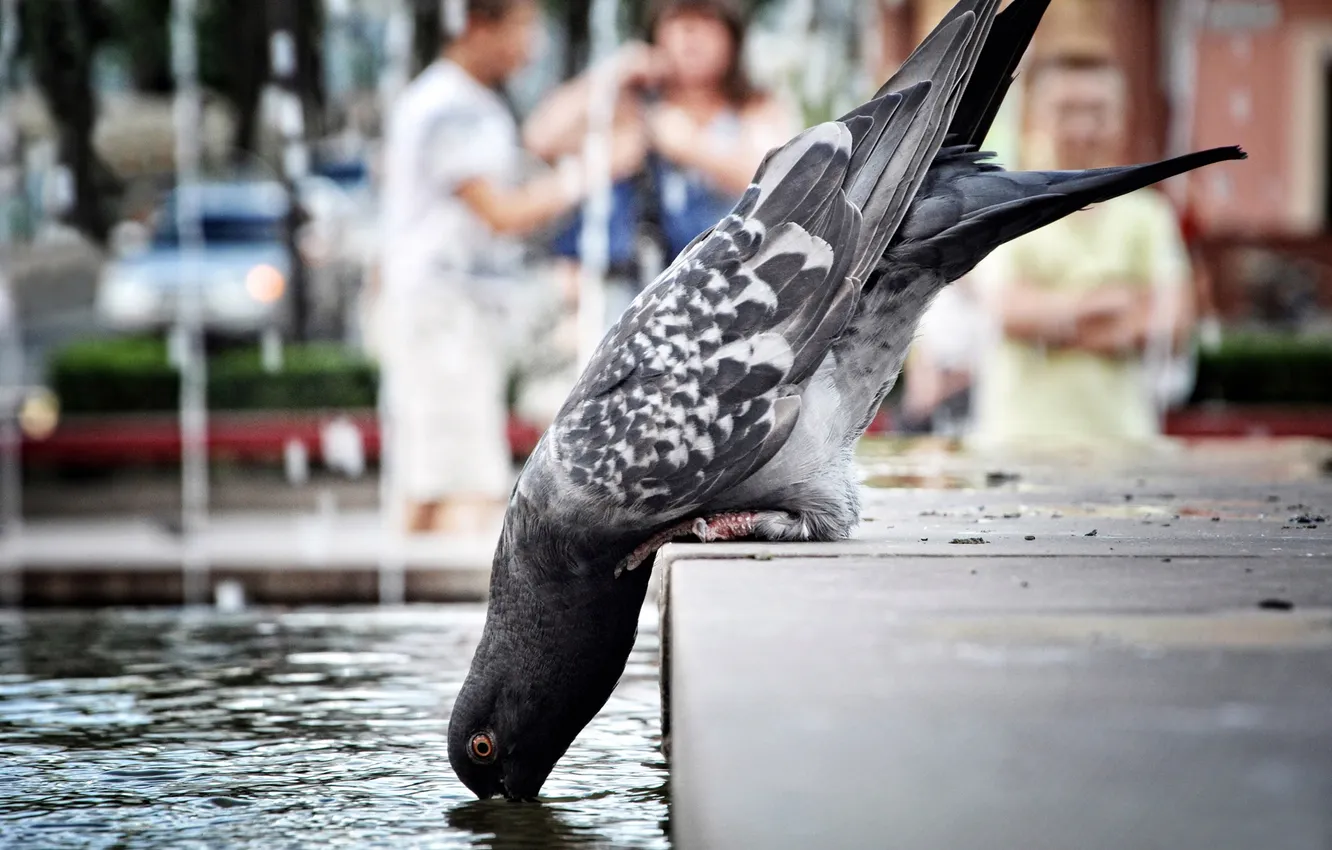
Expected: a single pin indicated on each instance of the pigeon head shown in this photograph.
(558, 632)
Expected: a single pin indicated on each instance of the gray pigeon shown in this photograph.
(727, 401)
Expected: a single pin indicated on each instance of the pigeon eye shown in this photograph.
(481, 749)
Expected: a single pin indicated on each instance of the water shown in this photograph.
(289, 729)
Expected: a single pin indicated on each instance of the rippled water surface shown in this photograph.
(289, 729)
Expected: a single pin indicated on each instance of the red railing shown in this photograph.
(155, 438)
(110, 440)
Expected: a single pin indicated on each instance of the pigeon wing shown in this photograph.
(697, 384)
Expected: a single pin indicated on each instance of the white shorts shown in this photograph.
(444, 364)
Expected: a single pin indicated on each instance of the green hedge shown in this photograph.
(133, 375)
(1267, 368)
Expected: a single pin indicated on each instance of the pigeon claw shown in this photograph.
(706, 530)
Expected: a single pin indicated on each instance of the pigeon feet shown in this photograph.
(733, 526)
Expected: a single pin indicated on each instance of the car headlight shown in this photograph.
(128, 296)
(245, 296)
(265, 284)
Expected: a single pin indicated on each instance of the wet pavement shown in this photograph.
(1100, 653)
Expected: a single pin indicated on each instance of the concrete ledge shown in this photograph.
(274, 559)
(1100, 704)
(1133, 662)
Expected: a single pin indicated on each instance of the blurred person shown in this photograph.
(1082, 303)
(699, 127)
(941, 364)
(452, 207)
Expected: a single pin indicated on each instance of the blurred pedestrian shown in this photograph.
(941, 364)
(1081, 303)
(452, 207)
(699, 125)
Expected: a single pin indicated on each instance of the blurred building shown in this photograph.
(1203, 73)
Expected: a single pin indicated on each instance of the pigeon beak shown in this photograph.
(513, 796)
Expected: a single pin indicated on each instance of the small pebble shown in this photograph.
(1024, 584)
(1128, 497)
(1165, 560)
(1216, 519)
(924, 540)
(973, 572)
(1030, 537)
(1273, 498)
(1276, 605)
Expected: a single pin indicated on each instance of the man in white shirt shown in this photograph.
(452, 207)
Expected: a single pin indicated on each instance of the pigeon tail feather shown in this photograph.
(1036, 199)
(1008, 40)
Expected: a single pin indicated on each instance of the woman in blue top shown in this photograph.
(687, 108)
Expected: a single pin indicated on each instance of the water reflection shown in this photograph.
(509, 827)
(169, 729)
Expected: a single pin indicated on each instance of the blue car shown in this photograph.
(242, 269)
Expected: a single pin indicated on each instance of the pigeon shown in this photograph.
(727, 401)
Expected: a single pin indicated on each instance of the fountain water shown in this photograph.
(594, 240)
(187, 335)
(392, 556)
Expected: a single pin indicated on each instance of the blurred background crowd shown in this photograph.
(317, 240)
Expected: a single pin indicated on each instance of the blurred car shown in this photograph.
(351, 175)
(242, 268)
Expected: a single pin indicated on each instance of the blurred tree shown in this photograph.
(233, 56)
(140, 33)
(58, 40)
(233, 61)
(427, 26)
(573, 14)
